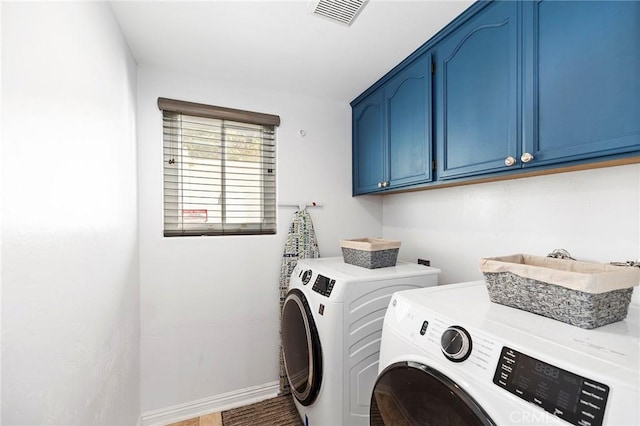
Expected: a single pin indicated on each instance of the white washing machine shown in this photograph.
(331, 327)
(450, 356)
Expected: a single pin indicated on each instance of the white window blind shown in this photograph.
(219, 170)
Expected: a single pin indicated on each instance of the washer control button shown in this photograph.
(306, 276)
(456, 343)
(423, 330)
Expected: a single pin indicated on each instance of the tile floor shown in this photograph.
(213, 419)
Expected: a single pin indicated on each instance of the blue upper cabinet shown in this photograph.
(476, 88)
(369, 148)
(408, 103)
(520, 87)
(582, 80)
(392, 131)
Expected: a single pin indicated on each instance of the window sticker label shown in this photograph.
(194, 216)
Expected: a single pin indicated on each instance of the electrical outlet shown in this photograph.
(424, 262)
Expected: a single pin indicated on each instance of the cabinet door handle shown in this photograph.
(379, 184)
(385, 184)
(526, 157)
(509, 161)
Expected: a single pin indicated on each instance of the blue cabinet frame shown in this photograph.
(520, 88)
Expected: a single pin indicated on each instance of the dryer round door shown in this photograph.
(301, 348)
(409, 393)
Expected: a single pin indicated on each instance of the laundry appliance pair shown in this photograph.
(332, 321)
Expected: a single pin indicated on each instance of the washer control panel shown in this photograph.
(576, 399)
(323, 285)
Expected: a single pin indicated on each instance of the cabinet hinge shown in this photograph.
(433, 164)
(433, 68)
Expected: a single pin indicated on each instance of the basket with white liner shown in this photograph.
(584, 294)
(370, 253)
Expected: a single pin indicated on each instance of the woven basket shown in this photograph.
(584, 294)
(370, 253)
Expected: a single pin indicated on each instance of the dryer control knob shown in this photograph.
(306, 276)
(456, 343)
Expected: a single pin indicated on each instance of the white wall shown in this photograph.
(1, 209)
(70, 305)
(594, 214)
(209, 312)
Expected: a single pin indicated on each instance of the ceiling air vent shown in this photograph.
(342, 11)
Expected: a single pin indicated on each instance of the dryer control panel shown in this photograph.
(323, 285)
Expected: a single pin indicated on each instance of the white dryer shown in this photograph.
(331, 327)
(450, 356)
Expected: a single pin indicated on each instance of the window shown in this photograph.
(219, 170)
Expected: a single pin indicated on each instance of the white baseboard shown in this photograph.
(213, 404)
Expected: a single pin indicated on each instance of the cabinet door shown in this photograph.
(477, 93)
(582, 92)
(408, 112)
(369, 144)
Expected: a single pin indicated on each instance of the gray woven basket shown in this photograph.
(585, 310)
(370, 259)
(370, 253)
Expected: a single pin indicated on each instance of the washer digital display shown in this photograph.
(323, 285)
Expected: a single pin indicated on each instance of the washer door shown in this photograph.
(301, 348)
(409, 393)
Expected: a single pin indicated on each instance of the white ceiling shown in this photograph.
(280, 45)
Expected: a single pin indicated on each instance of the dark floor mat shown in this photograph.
(280, 411)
